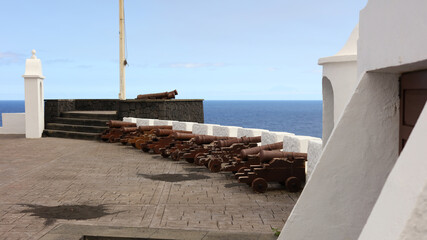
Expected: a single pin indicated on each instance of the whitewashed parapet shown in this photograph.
(13, 123)
(183, 126)
(296, 143)
(203, 129)
(144, 122)
(314, 150)
(225, 131)
(158, 122)
(273, 137)
(250, 132)
(129, 119)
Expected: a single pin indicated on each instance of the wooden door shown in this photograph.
(413, 96)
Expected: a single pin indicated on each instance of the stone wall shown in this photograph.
(190, 110)
(53, 108)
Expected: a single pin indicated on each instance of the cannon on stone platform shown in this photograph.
(163, 95)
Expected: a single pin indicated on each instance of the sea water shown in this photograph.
(299, 117)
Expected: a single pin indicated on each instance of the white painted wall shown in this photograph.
(203, 129)
(34, 97)
(225, 131)
(144, 122)
(183, 126)
(363, 148)
(157, 122)
(401, 210)
(328, 109)
(130, 119)
(273, 137)
(314, 150)
(341, 71)
(296, 143)
(250, 132)
(353, 166)
(13, 123)
(392, 33)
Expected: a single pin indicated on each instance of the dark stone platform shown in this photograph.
(189, 110)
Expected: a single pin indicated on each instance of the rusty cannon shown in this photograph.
(244, 140)
(131, 137)
(115, 130)
(233, 160)
(237, 165)
(224, 151)
(251, 151)
(288, 171)
(194, 146)
(162, 138)
(198, 146)
(180, 142)
(163, 95)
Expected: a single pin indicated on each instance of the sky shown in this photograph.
(213, 50)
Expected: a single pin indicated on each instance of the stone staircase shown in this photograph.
(79, 124)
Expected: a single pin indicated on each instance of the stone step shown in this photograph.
(69, 134)
(80, 121)
(104, 115)
(75, 128)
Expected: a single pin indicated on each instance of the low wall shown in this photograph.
(190, 110)
(13, 123)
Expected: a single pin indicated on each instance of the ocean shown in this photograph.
(299, 117)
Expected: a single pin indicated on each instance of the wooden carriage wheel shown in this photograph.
(215, 165)
(259, 185)
(293, 184)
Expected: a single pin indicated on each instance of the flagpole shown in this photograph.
(122, 94)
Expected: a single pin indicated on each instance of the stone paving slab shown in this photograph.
(49, 182)
(75, 232)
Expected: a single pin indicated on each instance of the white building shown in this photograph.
(364, 186)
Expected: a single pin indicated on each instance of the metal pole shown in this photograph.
(122, 94)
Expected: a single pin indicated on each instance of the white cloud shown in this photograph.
(272, 69)
(58, 60)
(11, 57)
(195, 65)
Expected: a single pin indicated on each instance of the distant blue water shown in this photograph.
(11, 107)
(299, 117)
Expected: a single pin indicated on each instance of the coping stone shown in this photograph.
(225, 131)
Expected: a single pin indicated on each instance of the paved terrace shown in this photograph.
(49, 182)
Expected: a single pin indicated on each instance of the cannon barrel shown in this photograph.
(245, 140)
(128, 129)
(183, 136)
(167, 132)
(250, 151)
(266, 156)
(163, 95)
(119, 124)
(149, 128)
(205, 139)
